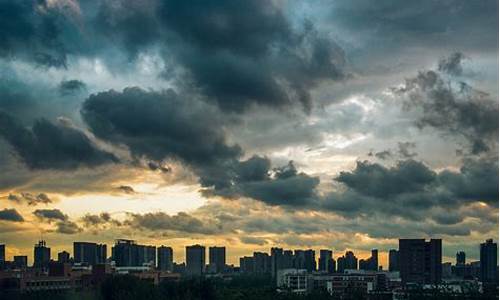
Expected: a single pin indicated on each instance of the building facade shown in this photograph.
(488, 258)
(420, 261)
(165, 258)
(195, 260)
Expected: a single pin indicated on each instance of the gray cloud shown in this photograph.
(181, 222)
(30, 199)
(453, 107)
(60, 220)
(70, 87)
(50, 214)
(10, 215)
(52, 146)
(126, 189)
(160, 125)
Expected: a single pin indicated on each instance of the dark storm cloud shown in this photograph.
(244, 53)
(166, 125)
(31, 30)
(10, 215)
(70, 87)
(279, 186)
(477, 180)
(452, 107)
(411, 190)
(378, 181)
(67, 227)
(409, 23)
(51, 146)
(30, 199)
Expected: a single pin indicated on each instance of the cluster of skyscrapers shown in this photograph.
(416, 260)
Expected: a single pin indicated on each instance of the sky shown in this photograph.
(316, 124)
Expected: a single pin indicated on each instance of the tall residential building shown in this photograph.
(460, 258)
(393, 260)
(217, 258)
(195, 260)
(326, 262)
(247, 264)
(371, 263)
(347, 262)
(262, 263)
(276, 261)
(165, 258)
(127, 253)
(21, 261)
(41, 255)
(420, 261)
(63, 257)
(488, 258)
(89, 253)
(305, 259)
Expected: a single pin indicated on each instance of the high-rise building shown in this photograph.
(347, 262)
(420, 261)
(262, 263)
(165, 258)
(217, 258)
(89, 253)
(371, 263)
(305, 259)
(127, 253)
(393, 260)
(41, 255)
(326, 262)
(276, 260)
(460, 258)
(21, 261)
(63, 257)
(488, 258)
(2, 254)
(195, 260)
(247, 264)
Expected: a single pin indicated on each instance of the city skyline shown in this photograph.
(383, 258)
(303, 124)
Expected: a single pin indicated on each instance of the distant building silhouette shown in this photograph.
(89, 253)
(41, 255)
(460, 258)
(347, 262)
(21, 261)
(276, 261)
(127, 253)
(326, 262)
(262, 263)
(63, 257)
(420, 261)
(370, 264)
(305, 259)
(393, 260)
(217, 258)
(195, 260)
(247, 264)
(488, 259)
(165, 258)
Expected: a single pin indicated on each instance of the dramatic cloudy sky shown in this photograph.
(306, 124)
